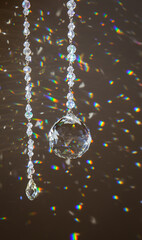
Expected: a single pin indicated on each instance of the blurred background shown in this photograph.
(99, 196)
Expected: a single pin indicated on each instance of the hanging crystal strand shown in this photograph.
(71, 5)
(69, 137)
(31, 190)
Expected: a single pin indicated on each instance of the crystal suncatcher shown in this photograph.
(69, 137)
(31, 189)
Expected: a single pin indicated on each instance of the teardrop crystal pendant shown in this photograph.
(69, 137)
(31, 190)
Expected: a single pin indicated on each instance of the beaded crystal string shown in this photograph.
(71, 5)
(31, 190)
(69, 137)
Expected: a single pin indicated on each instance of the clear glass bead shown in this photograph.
(26, 4)
(27, 51)
(30, 164)
(28, 88)
(29, 132)
(71, 57)
(70, 69)
(70, 104)
(71, 48)
(26, 12)
(71, 34)
(71, 12)
(30, 153)
(27, 77)
(28, 108)
(29, 125)
(71, 4)
(31, 190)
(30, 141)
(69, 96)
(70, 83)
(27, 69)
(26, 24)
(30, 176)
(28, 115)
(30, 171)
(71, 26)
(28, 95)
(26, 31)
(30, 147)
(28, 58)
(71, 76)
(26, 44)
(69, 137)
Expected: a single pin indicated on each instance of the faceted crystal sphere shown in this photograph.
(70, 104)
(69, 137)
(71, 57)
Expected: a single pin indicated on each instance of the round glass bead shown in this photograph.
(30, 141)
(71, 57)
(71, 12)
(71, 76)
(71, 4)
(26, 24)
(70, 69)
(69, 96)
(26, 12)
(70, 104)
(69, 137)
(26, 4)
(28, 115)
(26, 44)
(27, 51)
(27, 69)
(70, 83)
(71, 48)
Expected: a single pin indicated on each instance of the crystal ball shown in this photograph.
(69, 137)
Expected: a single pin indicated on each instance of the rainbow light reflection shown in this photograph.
(74, 236)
